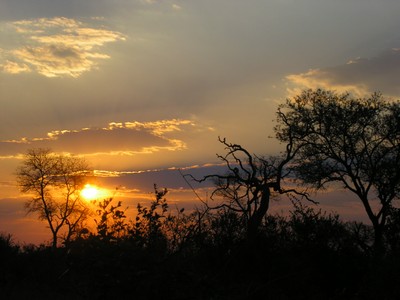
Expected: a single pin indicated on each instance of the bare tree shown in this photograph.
(355, 142)
(55, 182)
(248, 185)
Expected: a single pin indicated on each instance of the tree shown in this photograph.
(248, 185)
(355, 142)
(112, 223)
(55, 182)
(149, 227)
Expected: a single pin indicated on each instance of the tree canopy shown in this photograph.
(54, 182)
(353, 141)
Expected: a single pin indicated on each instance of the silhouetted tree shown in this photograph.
(148, 229)
(317, 229)
(355, 142)
(112, 224)
(180, 228)
(248, 185)
(55, 182)
(7, 245)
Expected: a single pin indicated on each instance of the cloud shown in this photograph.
(173, 178)
(214, 167)
(57, 47)
(359, 76)
(123, 139)
(15, 68)
(168, 4)
(176, 7)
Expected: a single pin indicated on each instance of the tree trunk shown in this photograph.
(379, 247)
(377, 226)
(54, 243)
(255, 220)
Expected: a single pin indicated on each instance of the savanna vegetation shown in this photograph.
(230, 247)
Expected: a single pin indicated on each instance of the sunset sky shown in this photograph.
(140, 87)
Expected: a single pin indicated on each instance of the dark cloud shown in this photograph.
(119, 138)
(360, 76)
(100, 140)
(170, 178)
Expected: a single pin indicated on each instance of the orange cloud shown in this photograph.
(317, 78)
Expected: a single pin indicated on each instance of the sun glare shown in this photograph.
(90, 192)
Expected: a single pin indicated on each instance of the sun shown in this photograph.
(90, 192)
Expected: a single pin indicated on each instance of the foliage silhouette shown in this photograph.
(55, 182)
(147, 230)
(351, 141)
(112, 223)
(308, 254)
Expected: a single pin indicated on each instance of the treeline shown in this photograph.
(207, 254)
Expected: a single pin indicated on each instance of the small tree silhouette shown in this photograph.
(148, 228)
(112, 224)
(55, 182)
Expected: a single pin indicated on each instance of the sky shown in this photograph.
(142, 88)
